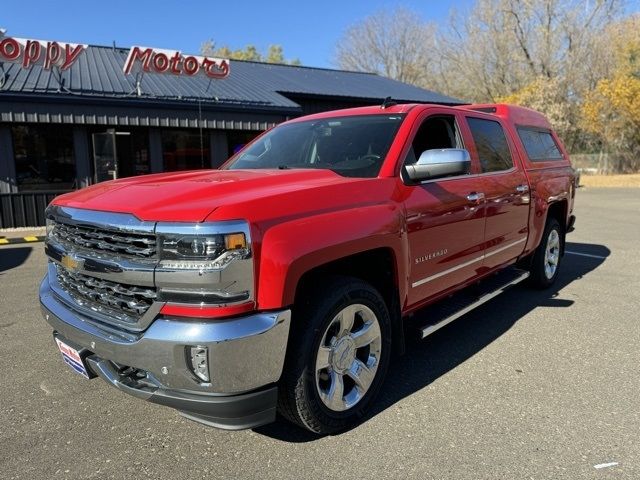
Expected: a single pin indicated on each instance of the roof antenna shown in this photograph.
(388, 102)
(57, 74)
(137, 87)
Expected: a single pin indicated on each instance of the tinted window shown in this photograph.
(185, 150)
(491, 144)
(539, 144)
(350, 146)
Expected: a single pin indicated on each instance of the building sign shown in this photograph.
(28, 52)
(154, 60)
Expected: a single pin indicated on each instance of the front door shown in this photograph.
(445, 217)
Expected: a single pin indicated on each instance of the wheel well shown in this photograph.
(558, 210)
(377, 268)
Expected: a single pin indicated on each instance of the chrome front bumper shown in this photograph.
(245, 354)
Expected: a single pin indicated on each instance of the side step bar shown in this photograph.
(447, 310)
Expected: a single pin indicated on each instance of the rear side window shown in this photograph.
(491, 144)
(539, 144)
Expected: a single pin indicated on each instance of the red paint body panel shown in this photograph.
(302, 219)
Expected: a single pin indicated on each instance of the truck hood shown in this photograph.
(193, 196)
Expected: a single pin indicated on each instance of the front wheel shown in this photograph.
(338, 355)
(546, 259)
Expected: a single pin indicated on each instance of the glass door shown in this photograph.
(105, 157)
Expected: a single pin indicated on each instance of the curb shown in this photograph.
(28, 239)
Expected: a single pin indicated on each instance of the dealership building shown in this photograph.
(73, 115)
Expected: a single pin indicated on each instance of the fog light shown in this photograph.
(199, 359)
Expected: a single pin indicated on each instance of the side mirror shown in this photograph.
(439, 163)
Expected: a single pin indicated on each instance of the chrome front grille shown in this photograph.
(125, 302)
(102, 239)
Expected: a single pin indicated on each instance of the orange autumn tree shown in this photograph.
(549, 96)
(611, 110)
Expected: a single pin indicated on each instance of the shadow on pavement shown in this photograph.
(425, 361)
(13, 257)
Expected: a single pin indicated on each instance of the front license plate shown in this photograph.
(72, 358)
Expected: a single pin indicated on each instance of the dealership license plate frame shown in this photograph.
(73, 357)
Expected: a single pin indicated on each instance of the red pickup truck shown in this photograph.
(285, 280)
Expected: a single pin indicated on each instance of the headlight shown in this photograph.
(202, 246)
(203, 252)
(205, 263)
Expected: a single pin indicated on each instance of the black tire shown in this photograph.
(299, 400)
(540, 277)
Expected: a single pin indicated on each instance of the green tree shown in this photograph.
(275, 53)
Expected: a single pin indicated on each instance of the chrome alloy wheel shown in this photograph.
(348, 357)
(552, 254)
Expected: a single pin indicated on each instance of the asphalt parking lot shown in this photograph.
(533, 385)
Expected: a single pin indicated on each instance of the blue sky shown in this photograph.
(306, 30)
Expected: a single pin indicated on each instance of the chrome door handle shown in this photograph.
(475, 196)
(522, 188)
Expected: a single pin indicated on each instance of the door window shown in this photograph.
(491, 145)
(435, 133)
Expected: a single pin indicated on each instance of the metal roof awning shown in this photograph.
(94, 90)
(138, 113)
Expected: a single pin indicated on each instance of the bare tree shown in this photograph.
(503, 46)
(545, 54)
(395, 44)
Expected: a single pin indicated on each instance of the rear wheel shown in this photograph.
(338, 355)
(546, 259)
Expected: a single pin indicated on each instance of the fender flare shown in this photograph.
(293, 248)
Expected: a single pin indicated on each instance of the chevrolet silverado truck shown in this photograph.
(284, 281)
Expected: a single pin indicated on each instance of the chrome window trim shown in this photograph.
(466, 176)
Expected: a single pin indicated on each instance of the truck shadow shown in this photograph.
(426, 361)
(13, 257)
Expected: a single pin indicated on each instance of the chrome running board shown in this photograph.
(460, 303)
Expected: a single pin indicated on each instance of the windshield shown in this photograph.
(350, 146)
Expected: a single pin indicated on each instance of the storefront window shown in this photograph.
(44, 157)
(185, 150)
(134, 146)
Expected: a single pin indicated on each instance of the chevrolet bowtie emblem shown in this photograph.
(71, 263)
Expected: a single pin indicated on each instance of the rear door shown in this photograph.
(445, 218)
(506, 191)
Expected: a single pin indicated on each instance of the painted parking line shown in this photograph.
(27, 239)
(600, 257)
